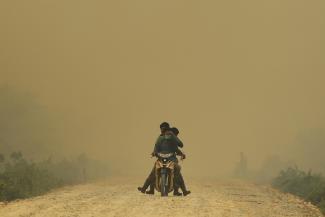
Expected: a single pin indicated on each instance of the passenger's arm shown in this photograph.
(178, 141)
(180, 153)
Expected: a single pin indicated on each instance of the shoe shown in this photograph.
(150, 192)
(176, 193)
(141, 190)
(186, 193)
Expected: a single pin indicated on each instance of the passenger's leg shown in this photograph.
(177, 170)
(182, 185)
(180, 181)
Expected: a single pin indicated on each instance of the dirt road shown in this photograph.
(119, 198)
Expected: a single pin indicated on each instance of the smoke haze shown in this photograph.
(231, 75)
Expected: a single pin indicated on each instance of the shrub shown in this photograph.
(22, 179)
(310, 187)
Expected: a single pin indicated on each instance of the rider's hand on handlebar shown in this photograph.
(183, 157)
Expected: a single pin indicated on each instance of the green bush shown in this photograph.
(321, 206)
(20, 178)
(306, 185)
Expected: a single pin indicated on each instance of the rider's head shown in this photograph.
(164, 127)
(174, 130)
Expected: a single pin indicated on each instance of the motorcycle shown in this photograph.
(164, 172)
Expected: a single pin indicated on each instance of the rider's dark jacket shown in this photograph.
(168, 143)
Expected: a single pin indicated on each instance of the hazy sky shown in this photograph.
(231, 75)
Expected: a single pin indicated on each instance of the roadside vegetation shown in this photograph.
(309, 186)
(21, 178)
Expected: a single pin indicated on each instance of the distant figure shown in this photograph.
(241, 168)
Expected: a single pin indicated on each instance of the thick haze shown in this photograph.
(231, 75)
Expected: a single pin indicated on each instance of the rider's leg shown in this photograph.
(148, 181)
(151, 188)
(152, 185)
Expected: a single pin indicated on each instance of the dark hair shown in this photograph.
(174, 130)
(164, 125)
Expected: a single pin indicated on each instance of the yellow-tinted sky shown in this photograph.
(232, 75)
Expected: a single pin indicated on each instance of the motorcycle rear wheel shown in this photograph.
(163, 185)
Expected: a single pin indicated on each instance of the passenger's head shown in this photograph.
(174, 130)
(164, 127)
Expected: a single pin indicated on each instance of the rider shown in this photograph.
(164, 127)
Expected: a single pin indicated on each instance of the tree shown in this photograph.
(83, 161)
(16, 156)
(241, 167)
(25, 124)
(2, 158)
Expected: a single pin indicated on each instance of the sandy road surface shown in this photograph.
(119, 198)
